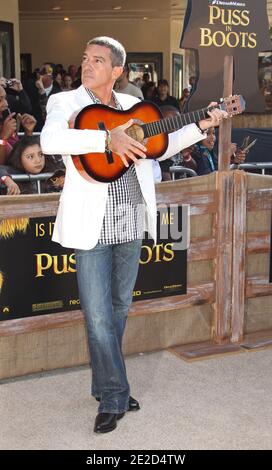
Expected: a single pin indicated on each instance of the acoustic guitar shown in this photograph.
(149, 128)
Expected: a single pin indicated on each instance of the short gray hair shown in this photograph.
(118, 53)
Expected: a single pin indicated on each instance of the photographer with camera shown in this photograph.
(10, 122)
(17, 98)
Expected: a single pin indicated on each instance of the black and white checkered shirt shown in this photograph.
(124, 215)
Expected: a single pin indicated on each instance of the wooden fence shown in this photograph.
(229, 295)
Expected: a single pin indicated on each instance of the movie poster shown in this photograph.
(38, 276)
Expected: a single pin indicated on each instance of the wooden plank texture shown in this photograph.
(202, 202)
(252, 120)
(258, 242)
(258, 286)
(238, 256)
(202, 249)
(197, 295)
(223, 269)
(259, 199)
(28, 205)
(205, 350)
(258, 340)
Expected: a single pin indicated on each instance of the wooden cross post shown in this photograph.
(224, 223)
(225, 126)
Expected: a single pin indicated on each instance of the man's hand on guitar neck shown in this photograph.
(216, 116)
(125, 146)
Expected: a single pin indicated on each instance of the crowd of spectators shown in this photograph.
(22, 114)
(23, 111)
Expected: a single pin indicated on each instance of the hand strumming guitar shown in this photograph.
(125, 146)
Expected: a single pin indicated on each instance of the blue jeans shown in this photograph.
(106, 276)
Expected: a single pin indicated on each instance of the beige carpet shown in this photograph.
(221, 403)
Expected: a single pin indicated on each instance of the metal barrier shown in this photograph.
(22, 134)
(188, 171)
(252, 166)
(263, 166)
(181, 170)
(37, 178)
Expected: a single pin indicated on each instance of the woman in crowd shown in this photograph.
(67, 82)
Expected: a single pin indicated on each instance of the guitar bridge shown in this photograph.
(102, 127)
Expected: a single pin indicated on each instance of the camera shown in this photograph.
(5, 114)
(9, 83)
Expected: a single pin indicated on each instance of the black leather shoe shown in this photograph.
(133, 405)
(106, 422)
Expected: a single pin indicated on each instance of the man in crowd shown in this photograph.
(123, 85)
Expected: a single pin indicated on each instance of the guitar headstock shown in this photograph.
(233, 105)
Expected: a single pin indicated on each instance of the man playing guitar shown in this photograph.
(104, 222)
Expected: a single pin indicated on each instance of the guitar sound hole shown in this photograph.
(136, 132)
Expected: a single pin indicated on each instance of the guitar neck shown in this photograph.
(176, 122)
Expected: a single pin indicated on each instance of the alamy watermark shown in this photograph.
(173, 223)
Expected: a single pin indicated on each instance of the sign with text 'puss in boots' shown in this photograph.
(216, 28)
(38, 276)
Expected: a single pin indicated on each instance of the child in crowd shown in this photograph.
(27, 158)
(205, 158)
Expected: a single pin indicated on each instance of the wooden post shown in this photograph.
(223, 268)
(224, 221)
(239, 256)
(225, 126)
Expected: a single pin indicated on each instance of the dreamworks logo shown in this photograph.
(228, 4)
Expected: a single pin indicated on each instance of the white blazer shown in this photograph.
(82, 203)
